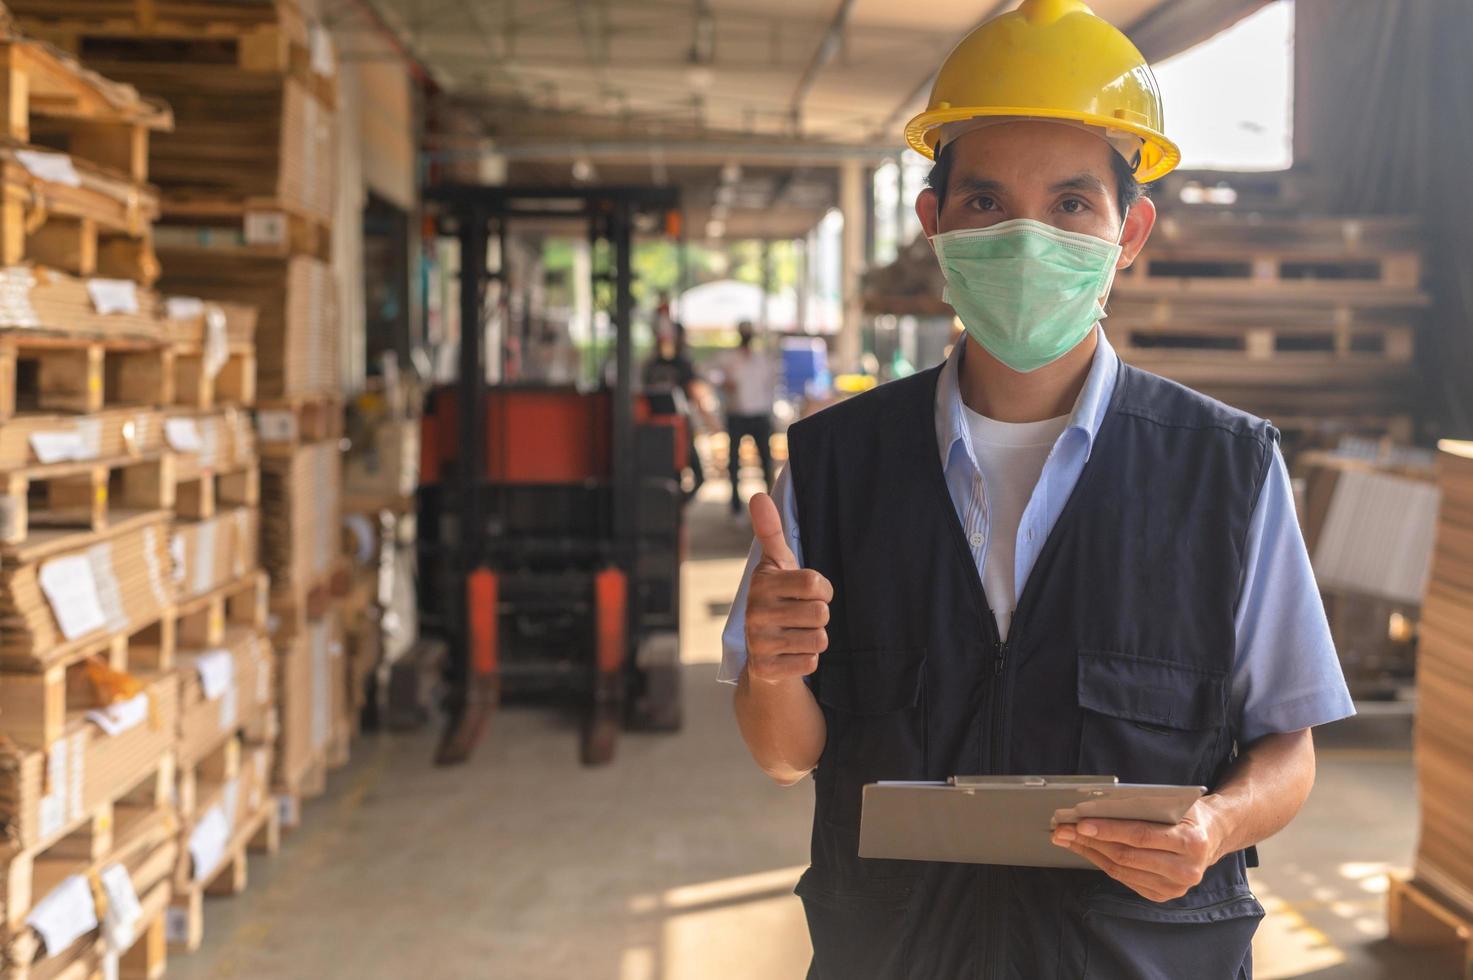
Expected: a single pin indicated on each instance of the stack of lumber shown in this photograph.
(1306, 320)
(1436, 905)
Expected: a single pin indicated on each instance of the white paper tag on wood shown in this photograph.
(320, 44)
(109, 966)
(58, 447)
(65, 915)
(217, 342)
(54, 167)
(184, 307)
(276, 426)
(113, 295)
(265, 228)
(216, 672)
(229, 709)
(183, 435)
(208, 840)
(71, 590)
(176, 552)
(124, 716)
(120, 923)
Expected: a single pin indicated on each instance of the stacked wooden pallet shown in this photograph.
(226, 671)
(247, 173)
(1436, 905)
(89, 696)
(247, 195)
(134, 662)
(74, 166)
(1307, 320)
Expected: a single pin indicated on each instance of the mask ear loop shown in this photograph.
(1110, 279)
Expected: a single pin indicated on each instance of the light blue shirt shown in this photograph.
(1286, 675)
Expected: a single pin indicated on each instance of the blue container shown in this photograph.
(806, 367)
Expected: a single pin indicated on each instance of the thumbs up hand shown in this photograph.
(787, 606)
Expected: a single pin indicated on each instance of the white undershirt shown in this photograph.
(1011, 456)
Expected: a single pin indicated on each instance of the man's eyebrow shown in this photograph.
(1081, 182)
(976, 185)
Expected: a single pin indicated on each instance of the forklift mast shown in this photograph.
(546, 510)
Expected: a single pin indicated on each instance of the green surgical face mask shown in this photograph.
(1026, 291)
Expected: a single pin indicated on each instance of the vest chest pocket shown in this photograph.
(1150, 721)
(874, 706)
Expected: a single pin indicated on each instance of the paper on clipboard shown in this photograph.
(1004, 820)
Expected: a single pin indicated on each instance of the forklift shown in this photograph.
(550, 515)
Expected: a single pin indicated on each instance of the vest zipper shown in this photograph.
(995, 956)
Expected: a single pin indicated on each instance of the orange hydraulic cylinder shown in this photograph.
(481, 598)
(611, 600)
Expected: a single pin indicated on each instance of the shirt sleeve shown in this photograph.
(1286, 674)
(734, 635)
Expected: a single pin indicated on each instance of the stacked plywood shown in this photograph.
(1438, 902)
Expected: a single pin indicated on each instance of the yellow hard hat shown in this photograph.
(1050, 59)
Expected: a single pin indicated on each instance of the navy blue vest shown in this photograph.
(1117, 662)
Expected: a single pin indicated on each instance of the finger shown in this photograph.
(772, 641)
(790, 614)
(1140, 858)
(768, 528)
(785, 665)
(770, 583)
(1157, 886)
(1136, 833)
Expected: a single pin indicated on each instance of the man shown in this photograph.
(670, 374)
(1035, 559)
(747, 381)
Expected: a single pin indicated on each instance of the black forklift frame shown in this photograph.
(470, 212)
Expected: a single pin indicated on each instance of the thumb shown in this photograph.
(768, 527)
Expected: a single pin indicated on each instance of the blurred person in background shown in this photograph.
(670, 372)
(1035, 559)
(748, 381)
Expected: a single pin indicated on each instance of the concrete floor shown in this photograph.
(677, 861)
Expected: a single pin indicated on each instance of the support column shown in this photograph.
(852, 200)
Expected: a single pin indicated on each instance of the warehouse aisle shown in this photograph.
(677, 862)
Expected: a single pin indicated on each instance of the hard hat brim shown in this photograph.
(1159, 155)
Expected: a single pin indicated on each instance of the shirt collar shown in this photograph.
(1087, 417)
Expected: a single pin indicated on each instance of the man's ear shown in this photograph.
(1138, 225)
(926, 211)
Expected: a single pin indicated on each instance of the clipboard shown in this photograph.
(1004, 819)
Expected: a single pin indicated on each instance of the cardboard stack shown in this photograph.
(89, 695)
(246, 201)
(1437, 903)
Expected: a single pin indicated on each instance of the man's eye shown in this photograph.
(984, 203)
(1073, 205)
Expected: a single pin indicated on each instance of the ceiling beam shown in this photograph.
(917, 96)
(1175, 25)
(678, 152)
(828, 46)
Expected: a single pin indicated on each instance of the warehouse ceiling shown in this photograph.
(660, 84)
